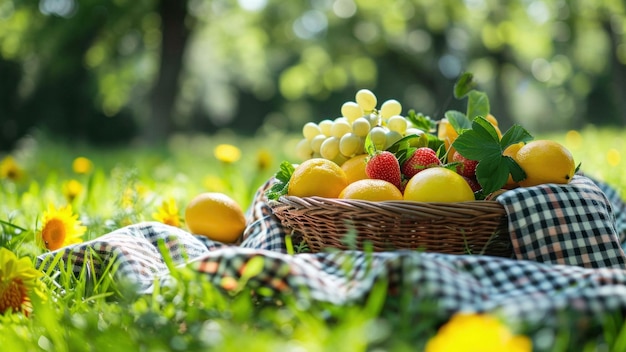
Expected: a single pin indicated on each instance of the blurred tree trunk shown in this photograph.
(174, 32)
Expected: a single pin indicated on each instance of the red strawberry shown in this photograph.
(423, 158)
(384, 166)
(466, 167)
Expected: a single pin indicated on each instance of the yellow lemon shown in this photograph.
(372, 190)
(545, 161)
(448, 135)
(216, 216)
(317, 177)
(355, 168)
(438, 184)
(492, 119)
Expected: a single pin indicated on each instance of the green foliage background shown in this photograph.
(118, 70)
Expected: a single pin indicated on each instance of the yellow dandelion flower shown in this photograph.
(468, 332)
(263, 160)
(9, 169)
(142, 190)
(82, 165)
(128, 198)
(227, 153)
(18, 279)
(60, 228)
(168, 213)
(72, 189)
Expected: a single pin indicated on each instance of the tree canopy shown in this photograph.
(111, 70)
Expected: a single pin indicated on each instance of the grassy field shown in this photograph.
(127, 185)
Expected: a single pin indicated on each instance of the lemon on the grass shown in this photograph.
(317, 177)
(372, 190)
(438, 184)
(545, 161)
(355, 167)
(216, 216)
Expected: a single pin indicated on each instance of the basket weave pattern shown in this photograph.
(476, 227)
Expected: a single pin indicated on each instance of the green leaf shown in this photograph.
(514, 135)
(464, 85)
(435, 143)
(479, 143)
(477, 104)
(492, 173)
(281, 186)
(421, 121)
(403, 143)
(253, 268)
(517, 173)
(12, 225)
(458, 120)
(369, 146)
(485, 128)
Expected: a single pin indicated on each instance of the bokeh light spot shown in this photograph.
(613, 157)
(574, 139)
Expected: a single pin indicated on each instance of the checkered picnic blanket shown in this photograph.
(566, 239)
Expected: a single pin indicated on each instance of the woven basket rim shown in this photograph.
(465, 208)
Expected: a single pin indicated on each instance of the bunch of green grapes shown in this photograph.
(344, 137)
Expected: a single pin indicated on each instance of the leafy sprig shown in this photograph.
(281, 186)
(483, 144)
(421, 121)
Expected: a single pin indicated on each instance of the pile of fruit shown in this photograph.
(377, 154)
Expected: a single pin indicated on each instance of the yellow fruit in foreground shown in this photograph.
(372, 190)
(355, 168)
(317, 177)
(438, 184)
(545, 161)
(216, 216)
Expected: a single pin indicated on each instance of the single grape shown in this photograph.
(366, 100)
(350, 144)
(361, 127)
(310, 130)
(330, 148)
(374, 119)
(351, 111)
(340, 127)
(414, 142)
(303, 150)
(391, 138)
(397, 123)
(316, 143)
(413, 130)
(325, 126)
(390, 108)
(378, 136)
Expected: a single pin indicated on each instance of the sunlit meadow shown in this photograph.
(47, 187)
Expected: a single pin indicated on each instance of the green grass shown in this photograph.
(83, 314)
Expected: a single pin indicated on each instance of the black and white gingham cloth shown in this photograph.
(567, 244)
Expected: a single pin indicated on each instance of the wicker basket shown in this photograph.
(474, 227)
